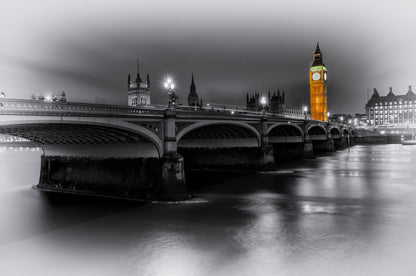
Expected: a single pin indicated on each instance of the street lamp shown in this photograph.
(263, 103)
(342, 119)
(327, 115)
(305, 110)
(48, 98)
(349, 121)
(169, 85)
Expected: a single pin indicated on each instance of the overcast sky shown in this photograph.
(87, 48)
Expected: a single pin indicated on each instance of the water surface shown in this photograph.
(346, 213)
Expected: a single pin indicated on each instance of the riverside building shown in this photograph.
(392, 110)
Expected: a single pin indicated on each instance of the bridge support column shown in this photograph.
(308, 149)
(117, 177)
(173, 170)
(337, 143)
(307, 145)
(344, 142)
(267, 161)
(330, 145)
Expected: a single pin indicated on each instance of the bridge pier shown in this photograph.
(117, 177)
(173, 169)
(338, 143)
(308, 149)
(267, 160)
(173, 176)
(330, 145)
(344, 142)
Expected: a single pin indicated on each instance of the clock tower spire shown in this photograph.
(318, 87)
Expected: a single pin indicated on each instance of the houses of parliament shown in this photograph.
(139, 92)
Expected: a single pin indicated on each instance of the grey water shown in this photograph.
(346, 213)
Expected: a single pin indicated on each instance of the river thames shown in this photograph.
(346, 213)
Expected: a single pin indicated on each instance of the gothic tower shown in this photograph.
(138, 91)
(318, 87)
(193, 99)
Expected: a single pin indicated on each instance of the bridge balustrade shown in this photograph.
(34, 107)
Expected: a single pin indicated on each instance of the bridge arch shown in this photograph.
(335, 132)
(285, 133)
(218, 134)
(81, 131)
(317, 132)
(345, 132)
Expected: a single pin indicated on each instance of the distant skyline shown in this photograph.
(87, 48)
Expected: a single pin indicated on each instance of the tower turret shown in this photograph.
(138, 91)
(193, 99)
(138, 79)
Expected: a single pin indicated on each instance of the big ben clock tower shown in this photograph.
(317, 83)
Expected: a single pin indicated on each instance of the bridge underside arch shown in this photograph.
(218, 136)
(335, 133)
(345, 132)
(285, 133)
(77, 138)
(317, 133)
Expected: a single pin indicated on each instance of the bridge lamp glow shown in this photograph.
(263, 101)
(169, 84)
(349, 121)
(48, 98)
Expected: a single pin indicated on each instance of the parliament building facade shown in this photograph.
(392, 110)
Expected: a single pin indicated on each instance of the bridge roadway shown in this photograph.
(158, 140)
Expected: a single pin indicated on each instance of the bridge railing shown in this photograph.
(239, 110)
(37, 107)
(18, 106)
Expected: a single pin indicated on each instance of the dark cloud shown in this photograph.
(87, 49)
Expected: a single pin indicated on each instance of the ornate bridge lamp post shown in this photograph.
(305, 111)
(173, 172)
(327, 115)
(169, 85)
(263, 102)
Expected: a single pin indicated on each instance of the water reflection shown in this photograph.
(348, 213)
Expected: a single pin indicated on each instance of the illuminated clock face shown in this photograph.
(325, 76)
(316, 76)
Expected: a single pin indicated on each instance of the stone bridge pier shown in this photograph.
(173, 167)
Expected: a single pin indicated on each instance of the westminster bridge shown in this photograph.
(79, 142)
